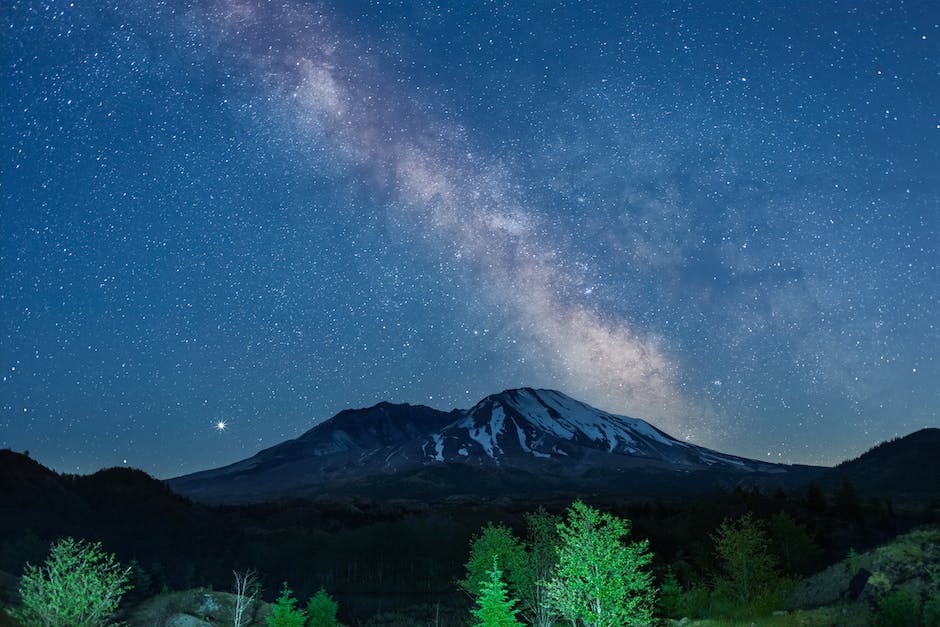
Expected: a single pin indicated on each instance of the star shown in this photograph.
(220, 426)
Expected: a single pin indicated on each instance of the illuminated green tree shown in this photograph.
(542, 560)
(494, 606)
(79, 585)
(600, 581)
(495, 541)
(283, 613)
(526, 567)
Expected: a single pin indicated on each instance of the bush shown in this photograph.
(80, 585)
(932, 611)
(695, 602)
(898, 609)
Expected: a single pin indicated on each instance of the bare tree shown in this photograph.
(245, 591)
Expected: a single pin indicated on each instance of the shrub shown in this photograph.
(932, 611)
(898, 609)
(80, 585)
(695, 602)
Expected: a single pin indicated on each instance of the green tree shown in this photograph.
(749, 569)
(793, 544)
(321, 610)
(600, 581)
(845, 501)
(494, 606)
(670, 597)
(496, 541)
(80, 585)
(527, 566)
(283, 613)
(542, 556)
(814, 499)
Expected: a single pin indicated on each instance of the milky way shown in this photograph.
(464, 207)
(258, 214)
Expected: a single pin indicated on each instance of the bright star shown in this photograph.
(220, 425)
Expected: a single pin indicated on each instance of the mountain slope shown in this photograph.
(393, 450)
(903, 468)
(526, 427)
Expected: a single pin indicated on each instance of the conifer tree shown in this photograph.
(283, 613)
(321, 610)
(494, 606)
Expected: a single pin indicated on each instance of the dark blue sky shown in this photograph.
(720, 217)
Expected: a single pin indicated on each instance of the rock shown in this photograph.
(209, 606)
(185, 620)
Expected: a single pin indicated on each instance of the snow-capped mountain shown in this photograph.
(543, 435)
(526, 427)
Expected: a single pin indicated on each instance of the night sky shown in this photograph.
(722, 217)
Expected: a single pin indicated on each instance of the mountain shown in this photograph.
(539, 429)
(906, 468)
(523, 441)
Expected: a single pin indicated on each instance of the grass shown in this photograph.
(834, 616)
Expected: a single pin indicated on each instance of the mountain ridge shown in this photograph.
(568, 445)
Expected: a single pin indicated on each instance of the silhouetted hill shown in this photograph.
(136, 513)
(32, 496)
(904, 469)
(21, 476)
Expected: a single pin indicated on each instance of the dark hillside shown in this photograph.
(905, 469)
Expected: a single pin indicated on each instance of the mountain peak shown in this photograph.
(529, 430)
(555, 413)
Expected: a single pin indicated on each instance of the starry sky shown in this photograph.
(722, 217)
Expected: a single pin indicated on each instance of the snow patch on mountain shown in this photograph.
(563, 415)
(508, 427)
(487, 434)
(438, 447)
(523, 444)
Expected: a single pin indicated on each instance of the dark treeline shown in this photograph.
(374, 556)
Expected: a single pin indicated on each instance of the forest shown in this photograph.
(742, 555)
